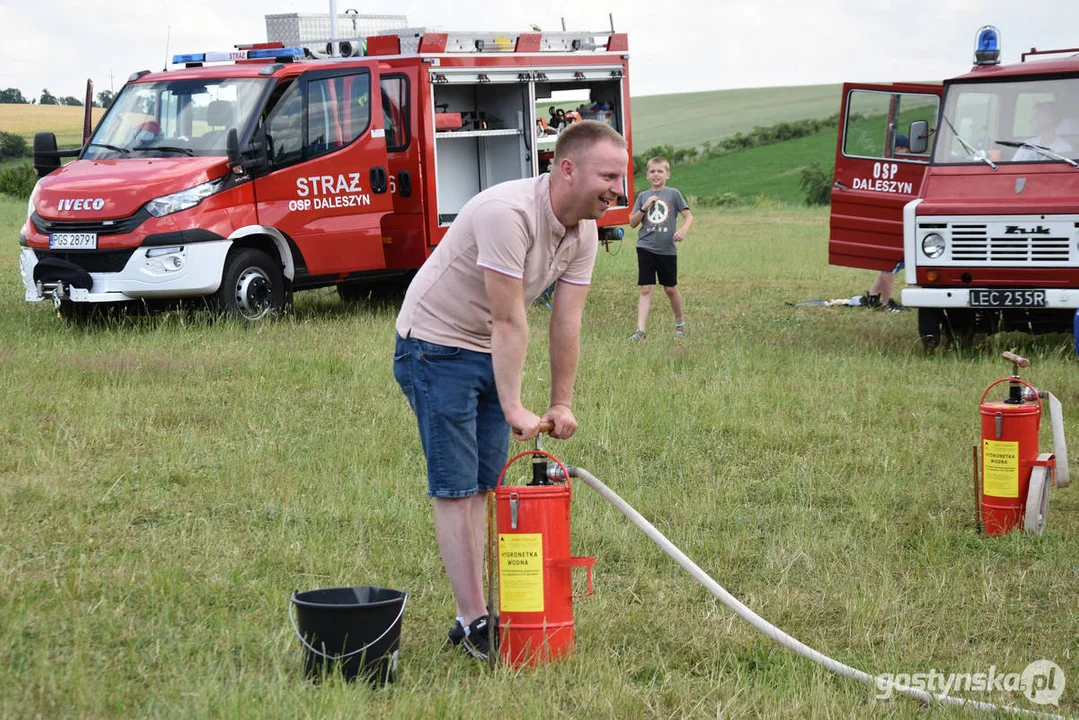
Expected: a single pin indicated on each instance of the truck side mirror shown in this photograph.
(256, 155)
(919, 136)
(46, 157)
(232, 149)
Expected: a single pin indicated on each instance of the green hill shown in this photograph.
(691, 119)
(773, 171)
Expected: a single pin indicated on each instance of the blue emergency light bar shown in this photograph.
(987, 47)
(232, 55)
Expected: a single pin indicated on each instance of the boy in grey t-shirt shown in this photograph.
(656, 210)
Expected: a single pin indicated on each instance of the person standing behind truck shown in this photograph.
(657, 211)
(881, 292)
(462, 335)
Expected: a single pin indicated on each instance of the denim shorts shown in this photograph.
(465, 436)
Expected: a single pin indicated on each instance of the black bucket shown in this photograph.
(354, 629)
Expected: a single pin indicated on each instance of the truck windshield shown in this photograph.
(1019, 122)
(175, 117)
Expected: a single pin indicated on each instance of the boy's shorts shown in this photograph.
(465, 436)
(651, 265)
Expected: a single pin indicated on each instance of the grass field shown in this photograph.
(167, 482)
(65, 121)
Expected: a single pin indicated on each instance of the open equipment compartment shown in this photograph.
(486, 125)
(480, 137)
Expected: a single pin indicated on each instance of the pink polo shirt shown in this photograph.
(511, 229)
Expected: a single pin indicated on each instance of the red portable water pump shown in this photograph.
(1015, 476)
(535, 584)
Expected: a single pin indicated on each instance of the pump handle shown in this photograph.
(544, 427)
(1015, 359)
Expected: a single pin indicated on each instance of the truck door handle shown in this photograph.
(404, 183)
(378, 179)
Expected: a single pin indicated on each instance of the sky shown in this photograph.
(676, 46)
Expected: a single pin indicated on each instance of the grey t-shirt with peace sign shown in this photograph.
(659, 221)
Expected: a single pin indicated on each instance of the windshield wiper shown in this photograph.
(1040, 149)
(974, 154)
(114, 148)
(167, 148)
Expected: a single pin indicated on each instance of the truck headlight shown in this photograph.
(933, 245)
(30, 204)
(184, 199)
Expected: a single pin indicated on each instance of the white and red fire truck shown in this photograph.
(248, 179)
(984, 209)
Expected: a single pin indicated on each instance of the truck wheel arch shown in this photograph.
(245, 235)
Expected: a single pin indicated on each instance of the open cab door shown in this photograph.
(872, 180)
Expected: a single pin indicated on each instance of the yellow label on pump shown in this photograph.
(1000, 468)
(520, 572)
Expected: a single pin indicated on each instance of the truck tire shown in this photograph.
(944, 329)
(252, 286)
(930, 321)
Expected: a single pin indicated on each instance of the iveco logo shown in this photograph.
(80, 204)
(1016, 230)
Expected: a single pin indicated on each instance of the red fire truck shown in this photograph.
(248, 179)
(984, 209)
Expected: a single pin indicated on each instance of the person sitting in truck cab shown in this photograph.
(1044, 121)
(146, 133)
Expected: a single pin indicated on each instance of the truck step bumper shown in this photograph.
(960, 298)
(189, 270)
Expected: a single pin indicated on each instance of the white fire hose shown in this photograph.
(1051, 469)
(771, 631)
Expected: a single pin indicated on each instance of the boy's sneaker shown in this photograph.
(638, 335)
(680, 329)
(893, 306)
(477, 641)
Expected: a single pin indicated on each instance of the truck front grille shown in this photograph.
(95, 261)
(120, 226)
(1004, 241)
(974, 243)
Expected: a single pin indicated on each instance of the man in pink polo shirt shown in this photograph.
(462, 334)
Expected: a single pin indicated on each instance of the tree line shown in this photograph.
(14, 96)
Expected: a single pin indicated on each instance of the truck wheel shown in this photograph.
(930, 321)
(960, 328)
(252, 286)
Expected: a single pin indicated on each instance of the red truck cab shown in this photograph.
(985, 211)
(275, 172)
